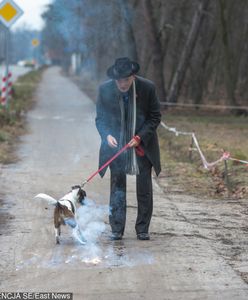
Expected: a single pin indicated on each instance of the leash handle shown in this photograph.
(106, 164)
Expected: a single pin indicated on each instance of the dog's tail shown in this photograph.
(48, 198)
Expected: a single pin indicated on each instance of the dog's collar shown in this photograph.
(72, 206)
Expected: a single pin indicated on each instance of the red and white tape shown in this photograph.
(206, 164)
(6, 88)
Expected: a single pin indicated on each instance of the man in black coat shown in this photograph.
(128, 111)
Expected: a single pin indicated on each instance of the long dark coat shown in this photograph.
(148, 116)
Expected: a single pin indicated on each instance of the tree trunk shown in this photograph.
(201, 72)
(180, 72)
(130, 39)
(157, 58)
(230, 80)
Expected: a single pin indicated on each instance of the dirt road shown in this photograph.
(197, 248)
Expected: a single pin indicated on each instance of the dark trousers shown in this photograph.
(117, 217)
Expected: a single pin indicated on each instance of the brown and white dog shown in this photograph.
(65, 211)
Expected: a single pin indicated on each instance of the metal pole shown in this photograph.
(7, 38)
(227, 182)
(191, 150)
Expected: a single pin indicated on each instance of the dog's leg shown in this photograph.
(83, 239)
(78, 235)
(57, 233)
(57, 224)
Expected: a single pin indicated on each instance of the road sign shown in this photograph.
(35, 42)
(9, 12)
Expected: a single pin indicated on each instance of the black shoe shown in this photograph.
(115, 236)
(143, 236)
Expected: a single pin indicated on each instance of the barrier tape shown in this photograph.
(239, 160)
(207, 165)
(174, 130)
(211, 106)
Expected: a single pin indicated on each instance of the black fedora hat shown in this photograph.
(122, 68)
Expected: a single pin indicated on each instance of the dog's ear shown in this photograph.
(74, 187)
(81, 196)
(81, 193)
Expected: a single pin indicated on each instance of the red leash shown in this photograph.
(106, 164)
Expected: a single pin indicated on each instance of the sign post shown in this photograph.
(10, 12)
(35, 45)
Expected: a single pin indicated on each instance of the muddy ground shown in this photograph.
(198, 247)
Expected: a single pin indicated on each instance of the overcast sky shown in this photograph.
(32, 13)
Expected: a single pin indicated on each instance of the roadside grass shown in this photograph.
(215, 132)
(12, 118)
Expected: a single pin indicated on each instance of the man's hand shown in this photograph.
(112, 141)
(135, 141)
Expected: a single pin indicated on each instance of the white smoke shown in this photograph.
(91, 219)
(97, 251)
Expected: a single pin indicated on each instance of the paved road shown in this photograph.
(61, 150)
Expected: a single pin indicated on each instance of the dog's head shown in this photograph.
(79, 193)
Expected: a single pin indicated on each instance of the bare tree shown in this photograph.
(229, 78)
(179, 75)
(129, 38)
(156, 50)
(197, 49)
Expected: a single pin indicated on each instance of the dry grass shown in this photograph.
(12, 119)
(215, 133)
